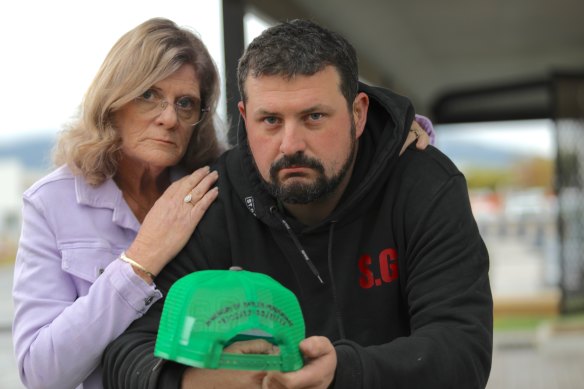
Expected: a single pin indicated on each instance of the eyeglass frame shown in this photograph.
(163, 104)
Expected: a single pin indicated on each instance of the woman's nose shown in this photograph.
(168, 114)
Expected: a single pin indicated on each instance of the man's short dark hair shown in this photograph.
(300, 47)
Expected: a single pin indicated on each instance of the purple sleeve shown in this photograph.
(426, 124)
(64, 318)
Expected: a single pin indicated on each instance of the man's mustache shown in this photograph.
(296, 160)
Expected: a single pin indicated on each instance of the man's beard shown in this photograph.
(305, 193)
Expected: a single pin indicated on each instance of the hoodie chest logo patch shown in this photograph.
(380, 271)
(250, 204)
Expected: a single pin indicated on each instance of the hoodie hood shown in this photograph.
(388, 121)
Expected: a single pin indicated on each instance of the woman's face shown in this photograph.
(156, 127)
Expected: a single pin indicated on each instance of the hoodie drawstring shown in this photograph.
(333, 285)
(341, 327)
(297, 244)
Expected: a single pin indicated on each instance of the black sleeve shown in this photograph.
(447, 291)
(129, 361)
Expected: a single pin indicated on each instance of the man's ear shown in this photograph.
(241, 107)
(360, 108)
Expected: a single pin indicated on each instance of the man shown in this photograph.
(382, 252)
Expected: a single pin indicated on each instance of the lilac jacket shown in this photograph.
(72, 296)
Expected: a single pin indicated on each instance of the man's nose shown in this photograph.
(292, 139)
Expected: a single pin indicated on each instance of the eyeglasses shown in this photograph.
(188, 109)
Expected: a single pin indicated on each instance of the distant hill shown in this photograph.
(33, 152)
(465, 153)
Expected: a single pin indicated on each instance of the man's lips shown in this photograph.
(294, 171)
(295, 168)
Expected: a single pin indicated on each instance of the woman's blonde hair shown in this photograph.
(143, 56)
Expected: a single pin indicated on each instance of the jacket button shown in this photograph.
(148, 301)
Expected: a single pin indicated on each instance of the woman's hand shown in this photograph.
(416, 134)
(172, 220)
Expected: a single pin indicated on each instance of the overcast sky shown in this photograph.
(51, 49)
(527, 136)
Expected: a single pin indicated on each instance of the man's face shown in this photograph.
(301, 134)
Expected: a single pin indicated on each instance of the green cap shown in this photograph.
(208, 310)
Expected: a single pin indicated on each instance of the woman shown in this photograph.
(146, 121)
(128, 193)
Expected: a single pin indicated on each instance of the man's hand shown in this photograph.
(255, 346)
(222, 378)
(231, 379)
(318, 372)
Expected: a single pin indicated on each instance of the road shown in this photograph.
(8, 372)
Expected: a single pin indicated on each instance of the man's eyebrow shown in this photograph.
(315, 108)
(306, 111)
(264, 112)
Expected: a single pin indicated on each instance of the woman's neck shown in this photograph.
(141, 186)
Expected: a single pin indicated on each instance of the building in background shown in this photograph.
(11, 177)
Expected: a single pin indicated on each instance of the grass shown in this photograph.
(7, 253)
(532, 322)
(519, 322)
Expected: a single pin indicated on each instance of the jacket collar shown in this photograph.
(109, 196)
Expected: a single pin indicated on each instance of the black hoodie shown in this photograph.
(396, 277)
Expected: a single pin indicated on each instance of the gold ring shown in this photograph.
(188, 198)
